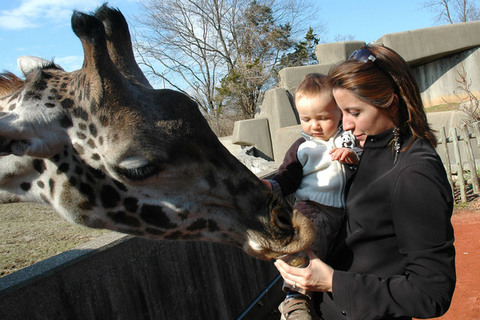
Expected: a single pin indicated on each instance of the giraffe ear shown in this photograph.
(36, 139)
(27, 64)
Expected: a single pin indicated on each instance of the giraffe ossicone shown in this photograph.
(106, 150)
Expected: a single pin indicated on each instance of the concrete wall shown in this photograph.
(438, 79)
(124, 277)
(436, 55)
(425, 45)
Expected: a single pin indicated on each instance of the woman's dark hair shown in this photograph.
(377, 80)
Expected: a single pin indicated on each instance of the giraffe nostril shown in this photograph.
(281, 219)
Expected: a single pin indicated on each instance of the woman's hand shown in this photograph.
(317, 276)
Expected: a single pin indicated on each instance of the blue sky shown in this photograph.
(42, 27)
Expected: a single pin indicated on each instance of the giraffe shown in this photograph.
(106, 150)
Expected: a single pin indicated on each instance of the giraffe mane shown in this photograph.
(9, 82)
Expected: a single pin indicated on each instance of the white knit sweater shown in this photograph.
(323, 179)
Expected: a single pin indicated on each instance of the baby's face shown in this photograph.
(319, 115)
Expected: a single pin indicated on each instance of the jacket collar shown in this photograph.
(380, 140)
(383, 139)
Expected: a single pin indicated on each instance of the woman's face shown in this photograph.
(362, 118)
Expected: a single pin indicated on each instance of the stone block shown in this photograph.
(291, 77)
(254, 132)
(278, 107)
(283, 139)
(330, 53)
(421, 46)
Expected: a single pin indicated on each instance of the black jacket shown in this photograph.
(395, 257)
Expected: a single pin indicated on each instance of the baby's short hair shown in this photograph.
(312, 84)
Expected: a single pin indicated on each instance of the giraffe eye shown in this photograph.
(137, 168)
(138, 174)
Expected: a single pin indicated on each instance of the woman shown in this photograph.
(394, 258)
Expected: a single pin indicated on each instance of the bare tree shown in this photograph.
(470, 104)
(194, 45)
(454, 11)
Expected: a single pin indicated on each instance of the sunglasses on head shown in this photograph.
(363, 55)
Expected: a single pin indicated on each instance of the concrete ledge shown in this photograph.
(290, 77)
(254, 132)
(284, 138)
(133, 278)
(421, 46)
(334, 52)
(276, 111)
(278, 108)
(327, 54)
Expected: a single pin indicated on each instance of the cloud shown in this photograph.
(70, 63)
(35, 13)
(42, 28)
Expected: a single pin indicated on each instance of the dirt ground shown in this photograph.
(466, 298)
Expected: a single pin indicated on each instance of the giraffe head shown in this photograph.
(106, 150)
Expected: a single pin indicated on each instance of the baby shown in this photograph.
(315, 169)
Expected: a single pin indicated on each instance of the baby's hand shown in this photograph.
(344, 155)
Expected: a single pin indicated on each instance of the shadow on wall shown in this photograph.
(125, 277)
